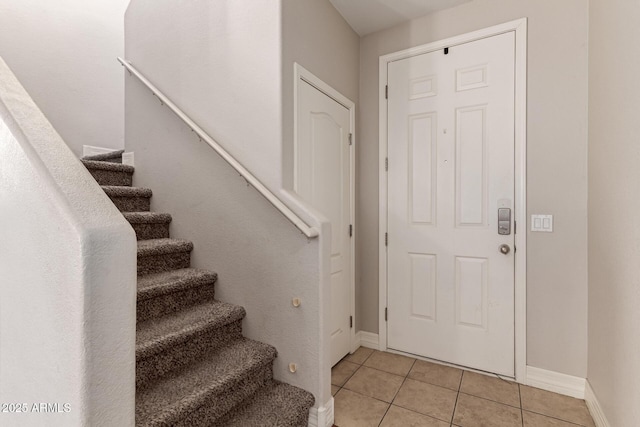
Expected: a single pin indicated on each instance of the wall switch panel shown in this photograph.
(542, 223)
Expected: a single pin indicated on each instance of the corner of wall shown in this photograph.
(594, 407)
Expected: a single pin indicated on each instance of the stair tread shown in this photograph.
(163, 246)
(107, 166)
(123, 191)
(147, 217)
(276, 405)
(172, 397)
(154, 284)
(155, 335)
(192, 361)
(104, 156)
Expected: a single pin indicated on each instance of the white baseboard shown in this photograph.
(594, 407)
(367, 339)
(323, 416)
(555, 382)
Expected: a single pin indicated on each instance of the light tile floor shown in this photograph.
(373, 388)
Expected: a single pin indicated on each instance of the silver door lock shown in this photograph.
(504, 221)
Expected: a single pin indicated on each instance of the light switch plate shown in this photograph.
(542, 223)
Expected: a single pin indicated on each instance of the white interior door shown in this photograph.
(451, 167)
(323, 179)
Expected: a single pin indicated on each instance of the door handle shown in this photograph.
(505, 249)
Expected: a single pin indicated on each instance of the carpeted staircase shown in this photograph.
(193, 366)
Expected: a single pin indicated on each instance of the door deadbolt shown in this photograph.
(504, 221)
(505, 249)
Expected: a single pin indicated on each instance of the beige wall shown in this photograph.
(614, 206)
(220, 61)
(557, 166)
(315, 36)
(64, 53)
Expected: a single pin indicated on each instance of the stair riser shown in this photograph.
(114, 157)
(218, 405)
(269, 419)
(105, 177)
(163, 262)
(113, 160)
(180, 355)
(151, 231)
(170, 303)
(132, 204)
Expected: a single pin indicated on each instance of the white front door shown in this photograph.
(451, 168)
(323, 179)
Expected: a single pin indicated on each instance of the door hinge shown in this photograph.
(350, 230)
(350, 139)
(386, 314)
(515, 227)
(386, 164)
(386, 92)
(386, 239)
(351, 321)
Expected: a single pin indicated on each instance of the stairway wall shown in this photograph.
(262, 260)
(67, 279)
(65, 51)
(220, 62)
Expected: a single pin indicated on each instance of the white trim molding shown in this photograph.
(323, 416)
(520, 160)
(594, 407)
(366, 339)
(555, 382)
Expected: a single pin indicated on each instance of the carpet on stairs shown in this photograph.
(193, 365)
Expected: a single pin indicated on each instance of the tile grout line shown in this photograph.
(453, 414)
(379, 370)
(458, 392)
(406, 376)
(348, 378)
(386, 372)
(398, 391)
(490, 400)
(521, 410)
(555, 418)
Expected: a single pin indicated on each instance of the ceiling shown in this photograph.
(368, 16)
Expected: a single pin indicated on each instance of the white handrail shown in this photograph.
(266, 193)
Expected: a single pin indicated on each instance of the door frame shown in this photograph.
(302, 74)
(520, 177)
